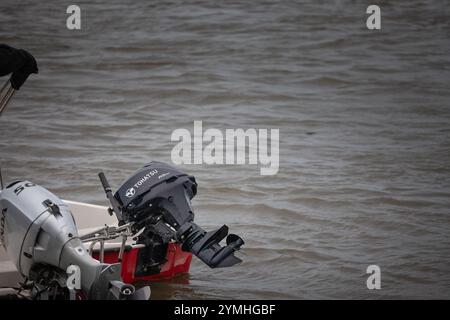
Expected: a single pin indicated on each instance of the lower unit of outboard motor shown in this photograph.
(157, 198)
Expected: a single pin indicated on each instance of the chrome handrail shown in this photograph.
(109, 233)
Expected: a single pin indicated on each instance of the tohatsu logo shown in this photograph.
(132, 191)
(145, 178)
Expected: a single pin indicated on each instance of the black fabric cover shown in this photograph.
(18, 62)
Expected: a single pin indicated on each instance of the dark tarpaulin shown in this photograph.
(18, 62)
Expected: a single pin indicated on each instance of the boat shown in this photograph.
(88, 217)
(146, 234)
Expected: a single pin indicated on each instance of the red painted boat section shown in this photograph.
(178, 262)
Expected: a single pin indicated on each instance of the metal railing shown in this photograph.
(106, 233)
(6, 94)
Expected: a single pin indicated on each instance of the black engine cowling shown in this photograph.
(158, 197)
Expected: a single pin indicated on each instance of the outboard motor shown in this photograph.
(157, 198)
(39, 234)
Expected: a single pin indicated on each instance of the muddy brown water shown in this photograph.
(364, 121)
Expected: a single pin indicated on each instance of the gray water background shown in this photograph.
(364, 121)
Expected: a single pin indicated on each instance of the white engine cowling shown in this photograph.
(35, 225)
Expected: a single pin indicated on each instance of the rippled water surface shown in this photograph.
(364, 121)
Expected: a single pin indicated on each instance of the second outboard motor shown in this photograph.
(39, 234)
(158, 197)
